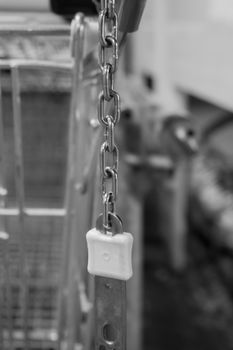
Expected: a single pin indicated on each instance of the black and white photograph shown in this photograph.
(116, 175)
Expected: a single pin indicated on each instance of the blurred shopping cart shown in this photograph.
(45, 294)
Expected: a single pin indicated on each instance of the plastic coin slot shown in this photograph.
(109, 334)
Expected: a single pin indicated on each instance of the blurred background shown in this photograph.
(185, 47)
(175, 138)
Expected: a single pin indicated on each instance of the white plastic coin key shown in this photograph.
(110, 252)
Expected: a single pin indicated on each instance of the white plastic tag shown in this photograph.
(110, 255)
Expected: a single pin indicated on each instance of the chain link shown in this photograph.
(107, 82)
(107, 23)
(108, 107)
(103, 102)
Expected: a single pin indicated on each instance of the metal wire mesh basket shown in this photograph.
(48, 142)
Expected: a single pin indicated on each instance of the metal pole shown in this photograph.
(43, 30)
(34, 212)
(19, 180)
(70, 181)
(36, 64)
(75, 276)
(94, 210)
(4, 236)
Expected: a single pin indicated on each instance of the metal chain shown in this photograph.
(109, 100)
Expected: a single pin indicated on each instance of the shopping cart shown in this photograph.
(45, 292)
(46, 295)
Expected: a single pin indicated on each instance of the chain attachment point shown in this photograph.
(115, 223)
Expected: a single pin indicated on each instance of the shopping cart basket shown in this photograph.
(45, 294)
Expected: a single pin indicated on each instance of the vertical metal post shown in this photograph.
(1, 316)
(77, 248)
(4, 236)
(71, 178)
(95, 202)
(19, 180)
(2, 230)
(67, 224)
